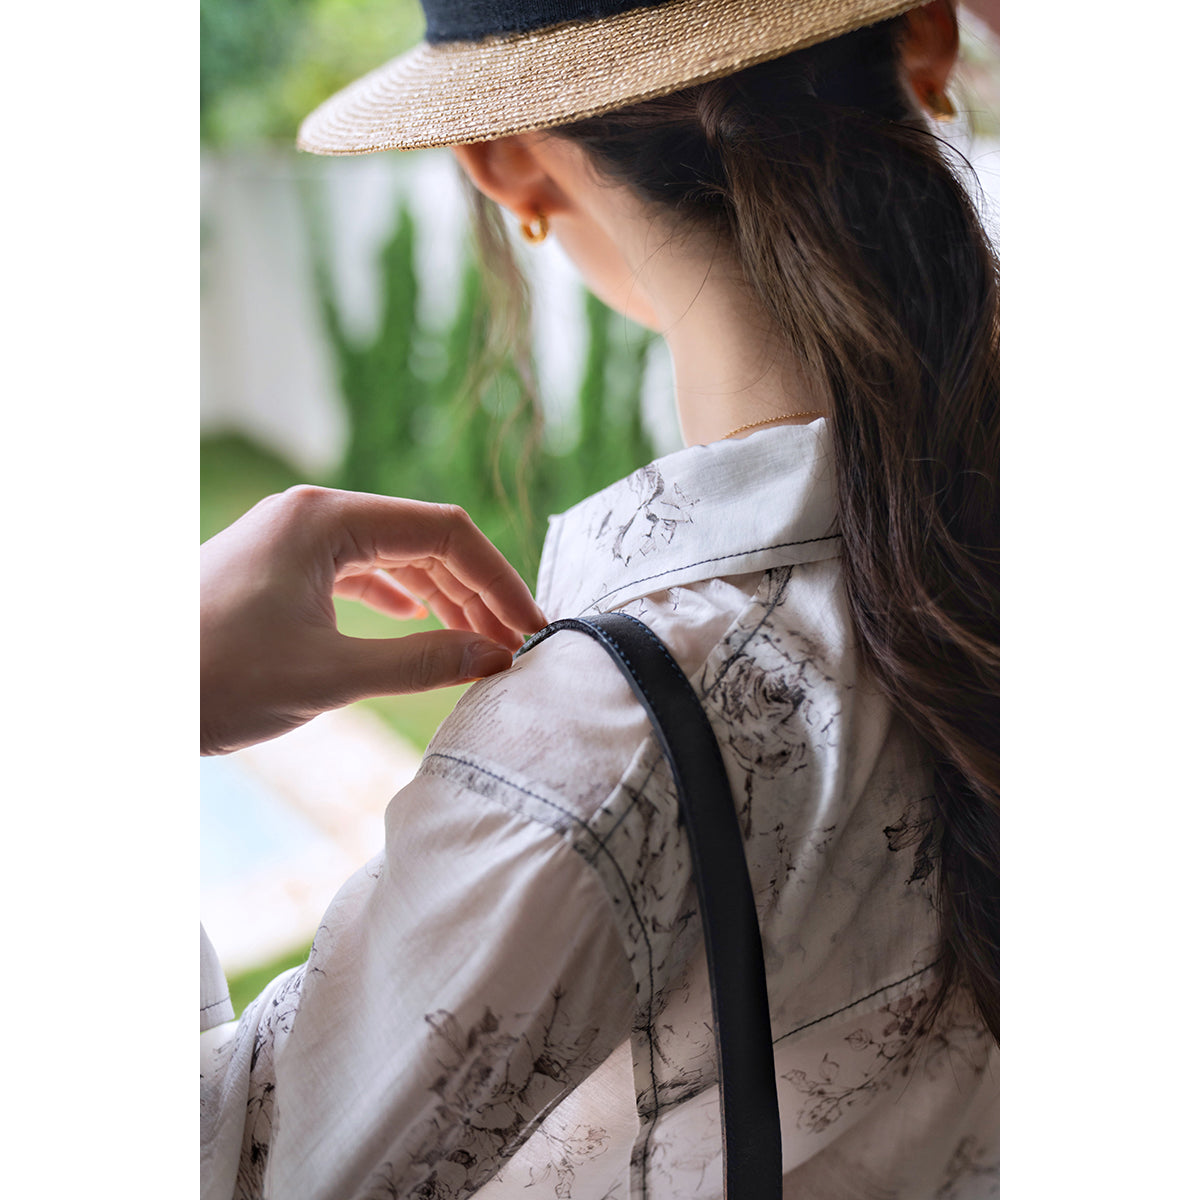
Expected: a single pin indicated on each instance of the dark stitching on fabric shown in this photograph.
(465, 762)
(741, 650)
(649, 1029)
(620, 875)
(217, 1003)
(894, 983)
(636, 795)
(648, 700)
(679, 675)
(662, 652)
(738, 653)
(717, 558)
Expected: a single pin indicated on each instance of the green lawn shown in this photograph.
(234, 476)
(244, 987)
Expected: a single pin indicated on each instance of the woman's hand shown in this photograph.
(271, 657)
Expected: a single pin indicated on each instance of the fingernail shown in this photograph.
(485, 658)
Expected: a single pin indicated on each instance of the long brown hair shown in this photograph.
(862, 244)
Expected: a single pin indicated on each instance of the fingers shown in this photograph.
(455, 604)
(381, 592)
(392, 533)
(273, 657)
(451, 603)
(417, 663)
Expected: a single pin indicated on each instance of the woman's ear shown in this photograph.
(509, 172)
(928, 51)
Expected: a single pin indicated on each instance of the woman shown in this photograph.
(511, 1000)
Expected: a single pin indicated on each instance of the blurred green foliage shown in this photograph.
(424, 425)
(423, 422)
(235, 474)
(266, 64)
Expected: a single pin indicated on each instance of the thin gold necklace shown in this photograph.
(770, 421)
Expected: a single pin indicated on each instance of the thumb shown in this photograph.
(417, 663)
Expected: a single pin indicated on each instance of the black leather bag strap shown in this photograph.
(741, 1018)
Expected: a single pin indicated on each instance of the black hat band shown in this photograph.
(471, 20)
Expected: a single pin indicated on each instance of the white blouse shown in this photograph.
(511, 1001)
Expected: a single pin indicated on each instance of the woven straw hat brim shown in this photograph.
(451, 93)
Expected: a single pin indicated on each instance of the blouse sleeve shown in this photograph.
(215, 1005)
(458, 987)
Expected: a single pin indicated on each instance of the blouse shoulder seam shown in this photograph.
(467, 765)
(568, 825)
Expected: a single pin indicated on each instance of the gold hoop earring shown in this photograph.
(940, 106)
(536, 230)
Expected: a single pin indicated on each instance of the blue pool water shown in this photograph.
(242, 825)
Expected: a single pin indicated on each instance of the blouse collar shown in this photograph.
(727, 508)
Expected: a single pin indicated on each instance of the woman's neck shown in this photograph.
(731, 366)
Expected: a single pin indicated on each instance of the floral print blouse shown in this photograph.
(511, 1000)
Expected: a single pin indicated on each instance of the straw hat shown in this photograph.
(489, 68)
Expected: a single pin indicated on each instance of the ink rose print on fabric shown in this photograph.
(781, 861)
(688, 1154)
(478, 1084)
(567, 1151)
(916, 827)
(256, 1142)
(274, 1023)
(493, 1084)
(771, 705)
(829, 1092)
(659, 511)
(957, 1042)
(384, 1186)
(880, 1054)
(759, 706)
(903, 1017)
(958, 1047)
(973, 1171)
(832, 1088)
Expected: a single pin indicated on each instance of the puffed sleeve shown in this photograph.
(459, 986)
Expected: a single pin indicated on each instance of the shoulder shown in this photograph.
(560, 737)
(551, 737)
(556, 735)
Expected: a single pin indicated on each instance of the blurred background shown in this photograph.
(341, 309)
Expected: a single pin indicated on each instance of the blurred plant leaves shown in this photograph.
(266, 64)
(423, 425)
